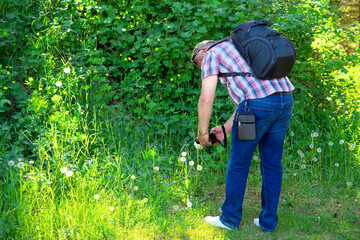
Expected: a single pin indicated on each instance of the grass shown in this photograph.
(108, 184)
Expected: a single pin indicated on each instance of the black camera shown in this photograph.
(212, 139)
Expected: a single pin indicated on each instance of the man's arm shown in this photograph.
(205, 105)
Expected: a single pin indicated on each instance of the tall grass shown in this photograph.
(111, 183)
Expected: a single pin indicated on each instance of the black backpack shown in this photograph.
(269, 54)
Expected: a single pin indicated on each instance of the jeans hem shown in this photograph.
(228, 225)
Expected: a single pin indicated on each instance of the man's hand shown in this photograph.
(203, 140)
(218, 133)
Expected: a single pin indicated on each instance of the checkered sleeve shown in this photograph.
(210, 65)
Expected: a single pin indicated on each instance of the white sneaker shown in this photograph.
(215, 221)
(256, 222)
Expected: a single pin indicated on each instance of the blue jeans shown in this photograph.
(273, 114)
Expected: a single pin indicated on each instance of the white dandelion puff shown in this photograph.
(303, 166)
(96, 196)
(184, 154)
(69, 173)
(331, 143)
(111, 209)
(199, 167)
(198, 146)
(67, 70)
(292, 134)
(319, 150)
(349, 184)
(189, 204)
(136, 188)
(183, 159)
(21, 165)
(58, 83)
(132, 177)
(63, 170)
(191, 163)
(311, 146)
(337, 165)
(156, 168)
(176, 208)
(256, 158)
(11, 163)
(341, 142)
(314, 159)
(31, 162)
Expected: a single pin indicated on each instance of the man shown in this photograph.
(271, 101)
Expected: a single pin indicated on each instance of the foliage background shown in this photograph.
(130, 81)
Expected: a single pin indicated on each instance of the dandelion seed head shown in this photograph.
(191, 163)
(184, 154)
(198, 146)
(183, 159)
(337, 165)
(319, 150)
(63, 170)
(111, 209)
(156, 168)
(302, 155)
(331, 143)
(199, 167)
(349, 184)
(58, 84)
(132, 177)
(256, 158)
(341, 142)
(31, 162)
(69, 173)
(189, 204)
(136, 188)
(21, 165)
(96, 196)
(11, 163)
(314, 159)
(67, 70)
(303, 166)
(176, 208)
(299, 151)
(292, 134)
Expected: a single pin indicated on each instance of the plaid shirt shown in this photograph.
(225, 58)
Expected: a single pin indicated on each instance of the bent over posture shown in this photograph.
(271, 102)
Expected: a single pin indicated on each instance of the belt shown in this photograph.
(278, 93)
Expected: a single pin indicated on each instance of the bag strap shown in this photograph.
(246, 27)
(234, 74)
(225, 138)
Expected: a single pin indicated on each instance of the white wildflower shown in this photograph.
(156, 168)
(183, 159)
(96, 196)
(337, 165)
(319, 150)
(111, 209)
(184, 154)
(191, 163)
(132, 177)
(69, 173)
(341, 142)
(199, 167)
(58, 84)
(11, 163)
(198, 146)
(67, 70)
(21, 165)
(189, 204)
(31, 162)
(63, 170)
(331, 143)
(136, 188)
(292, 134)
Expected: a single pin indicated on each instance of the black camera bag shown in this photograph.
(269, 54)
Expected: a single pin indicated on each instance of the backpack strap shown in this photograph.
(246, 27)
(234, 74)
